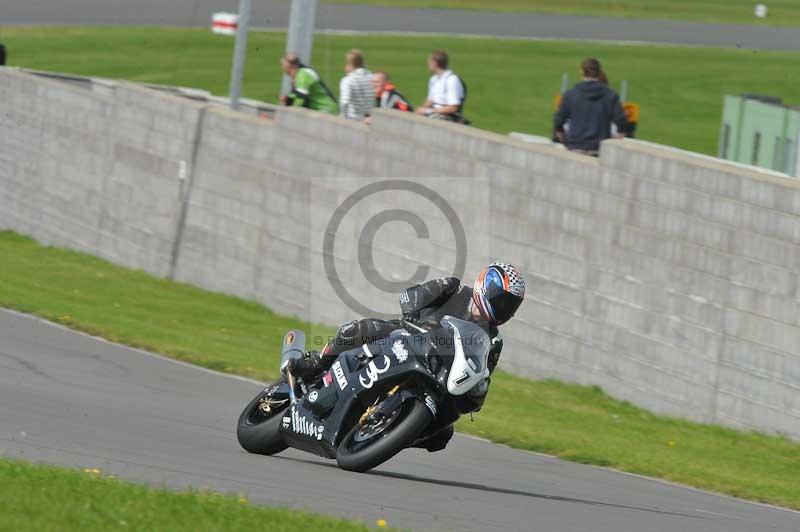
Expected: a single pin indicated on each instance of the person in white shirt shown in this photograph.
(446, 91)
(356, 94)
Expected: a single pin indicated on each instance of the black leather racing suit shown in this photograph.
(424, 305)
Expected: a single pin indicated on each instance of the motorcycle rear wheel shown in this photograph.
(363, 449)
(258, 432)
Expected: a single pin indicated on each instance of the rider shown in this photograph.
(495, 297)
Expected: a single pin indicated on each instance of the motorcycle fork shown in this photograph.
(292, 383)
(371, 410)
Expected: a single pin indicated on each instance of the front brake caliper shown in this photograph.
(371, 410)
(267, 404)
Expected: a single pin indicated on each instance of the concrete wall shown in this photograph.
(669, 279)
(93, 172)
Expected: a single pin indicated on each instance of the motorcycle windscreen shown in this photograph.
(293, 346)
(471, 346)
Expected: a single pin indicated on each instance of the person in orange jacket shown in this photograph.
(386, 94)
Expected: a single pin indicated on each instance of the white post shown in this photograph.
(300, 38)
(240, 52)
(564, 82)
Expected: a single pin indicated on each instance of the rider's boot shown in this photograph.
(438, 441)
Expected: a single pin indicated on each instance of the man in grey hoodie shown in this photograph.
(590, 107)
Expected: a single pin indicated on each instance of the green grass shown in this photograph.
(781, 12)
(512, 83)
(574, 422)
(136, 309)
(39, 498)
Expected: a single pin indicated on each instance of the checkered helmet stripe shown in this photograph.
(516, 283)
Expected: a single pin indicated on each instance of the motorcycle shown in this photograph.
(375, 400)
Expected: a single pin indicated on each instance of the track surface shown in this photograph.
(275, 13)
(70, 399)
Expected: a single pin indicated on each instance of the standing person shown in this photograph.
(446, 91)
(356, 95)
(2, 55)
(386, 94)
(590, 107)
(308, 89)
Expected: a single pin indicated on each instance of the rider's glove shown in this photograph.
(307, 367)
(299, 362)
(411, 316)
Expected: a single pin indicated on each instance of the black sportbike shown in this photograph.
(375, 401)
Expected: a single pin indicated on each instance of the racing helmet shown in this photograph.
(498, 292)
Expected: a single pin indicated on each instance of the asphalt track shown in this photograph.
(71, 399)
(275, 14)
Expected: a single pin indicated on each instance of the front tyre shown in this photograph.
(258, 431)
(370, 443)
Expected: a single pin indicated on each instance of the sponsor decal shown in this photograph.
(431, 404)
(289, 338)
(313, 396)
(327, 379)
(286, 420)
(301, 425)
(371, 373)
(404, 297)
(400, 351)
(349, 329)
(338, 372)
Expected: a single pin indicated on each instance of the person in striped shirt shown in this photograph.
(356, 95)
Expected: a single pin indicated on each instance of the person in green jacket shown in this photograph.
(308, 89)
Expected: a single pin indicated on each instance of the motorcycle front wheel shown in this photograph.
(258, 430)
(373, 441)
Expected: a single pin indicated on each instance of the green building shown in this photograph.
(761, 131)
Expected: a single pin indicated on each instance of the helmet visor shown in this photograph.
(504, 305)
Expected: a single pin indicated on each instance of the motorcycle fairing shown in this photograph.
(470, 356)
(304, 430)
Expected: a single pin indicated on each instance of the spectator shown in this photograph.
(356, 94)
(446, 91)
(308, 89)
(590, 107)
(387, 95)
(2, 55)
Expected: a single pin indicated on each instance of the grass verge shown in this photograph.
(576, 423)
(512, 83)
(781, 13)
(40, 498)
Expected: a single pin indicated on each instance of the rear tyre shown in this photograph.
(258, 431)
(363, 448)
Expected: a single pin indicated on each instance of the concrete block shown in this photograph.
(772, 280)
(779, 336)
